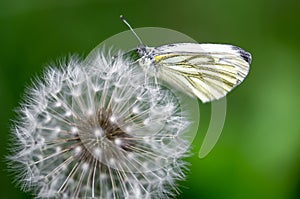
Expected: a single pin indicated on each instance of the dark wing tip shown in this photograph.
(246, 56)
(243, 54)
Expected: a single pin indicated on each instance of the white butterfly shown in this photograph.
(207, 71)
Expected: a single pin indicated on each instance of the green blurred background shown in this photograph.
(257, 155)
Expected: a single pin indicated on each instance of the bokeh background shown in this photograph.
(257, 155)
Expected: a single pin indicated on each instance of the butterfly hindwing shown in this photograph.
(208, 71)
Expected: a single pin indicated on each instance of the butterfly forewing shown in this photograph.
(208, 71)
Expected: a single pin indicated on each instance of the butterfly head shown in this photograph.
(141, 50)
(146, 55)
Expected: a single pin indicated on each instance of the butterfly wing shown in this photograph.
(207, 71)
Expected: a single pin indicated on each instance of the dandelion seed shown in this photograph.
(96, 129)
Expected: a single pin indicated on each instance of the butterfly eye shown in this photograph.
(141, 50)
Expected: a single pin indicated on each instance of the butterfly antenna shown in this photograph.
(129, 26)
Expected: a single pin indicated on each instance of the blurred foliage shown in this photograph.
(257, 155)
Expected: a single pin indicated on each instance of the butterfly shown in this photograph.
(205, 71)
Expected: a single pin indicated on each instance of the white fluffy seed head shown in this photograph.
(98, 132)
(96, 129)
(77, 150)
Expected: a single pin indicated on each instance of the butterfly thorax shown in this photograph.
(146, 60)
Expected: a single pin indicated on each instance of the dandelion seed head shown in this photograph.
(77, 150)
(96, 129)
(98, 132)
